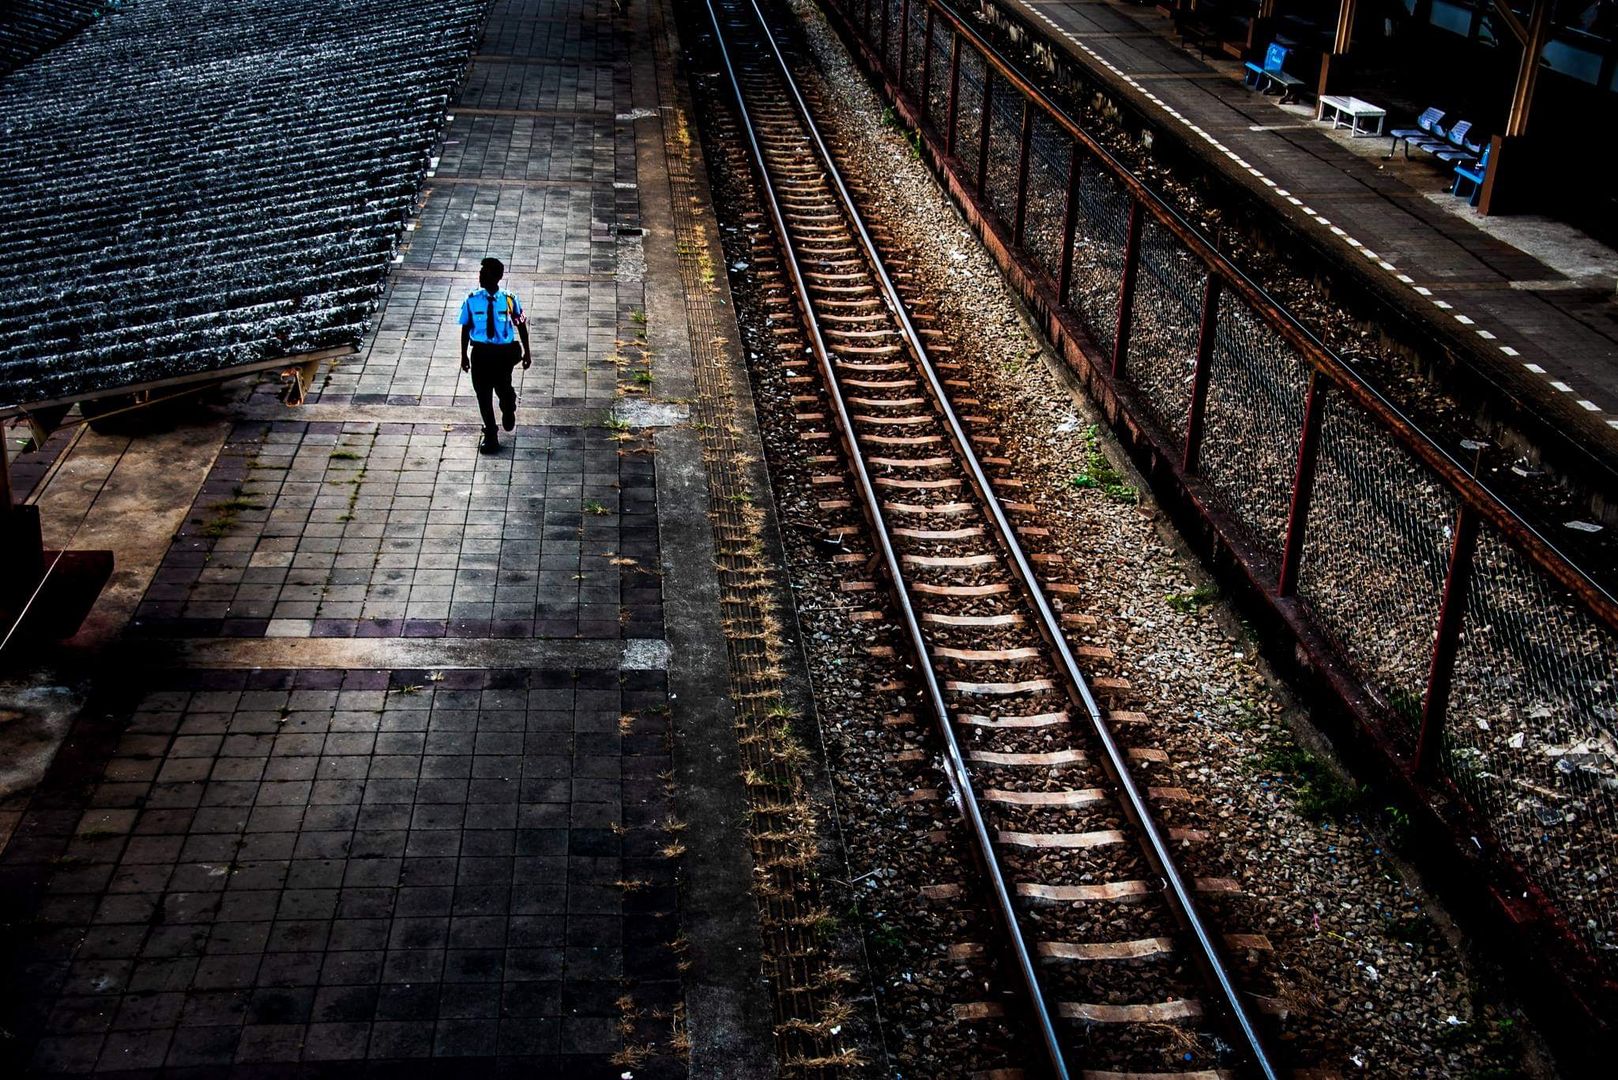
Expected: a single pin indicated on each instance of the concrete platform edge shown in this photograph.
(727, 998)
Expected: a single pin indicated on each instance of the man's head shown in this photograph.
(493, 270)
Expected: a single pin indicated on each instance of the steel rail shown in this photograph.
(1210, 954)
(1455, 474)
(955, 769)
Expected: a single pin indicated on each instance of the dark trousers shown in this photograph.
(492, 366)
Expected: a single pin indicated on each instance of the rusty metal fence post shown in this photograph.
(1126, 288)
(904, 42)
(952, 113)
(1022, 172)
(927, 70)
(882, 49)
(1457, 583)
(987, 101)
(1070, 224)
(1203, 372)
(1303, 484)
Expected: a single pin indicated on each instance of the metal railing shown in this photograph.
(1480, 660)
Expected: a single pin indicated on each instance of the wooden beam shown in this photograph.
(5, 476)
(1266, 9)
(1522, 95)
(1503, 9)
(1345, 27)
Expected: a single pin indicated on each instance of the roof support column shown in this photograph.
(1509, 180)
(1260, 28)
(1334, 67)
(5, 476)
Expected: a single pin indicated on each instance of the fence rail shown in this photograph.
(1484, 657)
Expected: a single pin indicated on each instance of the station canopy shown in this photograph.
(191, 186)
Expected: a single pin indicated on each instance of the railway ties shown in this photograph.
(1117, 969)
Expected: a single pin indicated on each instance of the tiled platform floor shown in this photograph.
(253, 870)
(405, 530)
(284, 866)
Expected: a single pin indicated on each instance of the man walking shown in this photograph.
(491, 322)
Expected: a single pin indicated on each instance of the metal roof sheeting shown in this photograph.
(29, 27)
(194, 185)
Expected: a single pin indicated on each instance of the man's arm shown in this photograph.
(527, 356)
(466, 343)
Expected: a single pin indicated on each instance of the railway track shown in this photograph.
(1118, 968)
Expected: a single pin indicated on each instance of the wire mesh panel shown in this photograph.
(1163, 325)
(938, 76)
(1005, 147)
(1375, 555)
(1532, 733)
(915, 48)
(1253, 420)
(886, 35)
(1050, 151)
(1098, 252)
(969, 109)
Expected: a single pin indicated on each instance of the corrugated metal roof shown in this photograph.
(198, 184)
(29, 27)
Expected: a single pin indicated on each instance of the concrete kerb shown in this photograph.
(727, 999)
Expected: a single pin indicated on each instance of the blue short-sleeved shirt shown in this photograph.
(475, 313)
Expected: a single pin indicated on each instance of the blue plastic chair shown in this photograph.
(1472, 174)
(1423, 129)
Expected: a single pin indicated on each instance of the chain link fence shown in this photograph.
(1255, 412)
(1530, 737)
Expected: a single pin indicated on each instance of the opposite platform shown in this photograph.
(1550, 340)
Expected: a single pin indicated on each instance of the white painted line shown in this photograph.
(1613, 424)
(1485, 335)
(1389, 267)
(1445, 304)
(1423, 292)
(1589, 406)
(1406, 279)
(1535, 368)
(1463, 320)
(1561, 387)
(1508, 350)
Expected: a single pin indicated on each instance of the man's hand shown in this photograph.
(466, 365)
(527, 359)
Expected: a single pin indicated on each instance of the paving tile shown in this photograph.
(427, 922)
(555, 537)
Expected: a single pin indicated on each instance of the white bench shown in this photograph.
(1351, 111)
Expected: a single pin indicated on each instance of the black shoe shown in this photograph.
(508, 417)
(491, 442)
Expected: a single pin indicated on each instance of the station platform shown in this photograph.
(374, 753)
(1548, 337)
